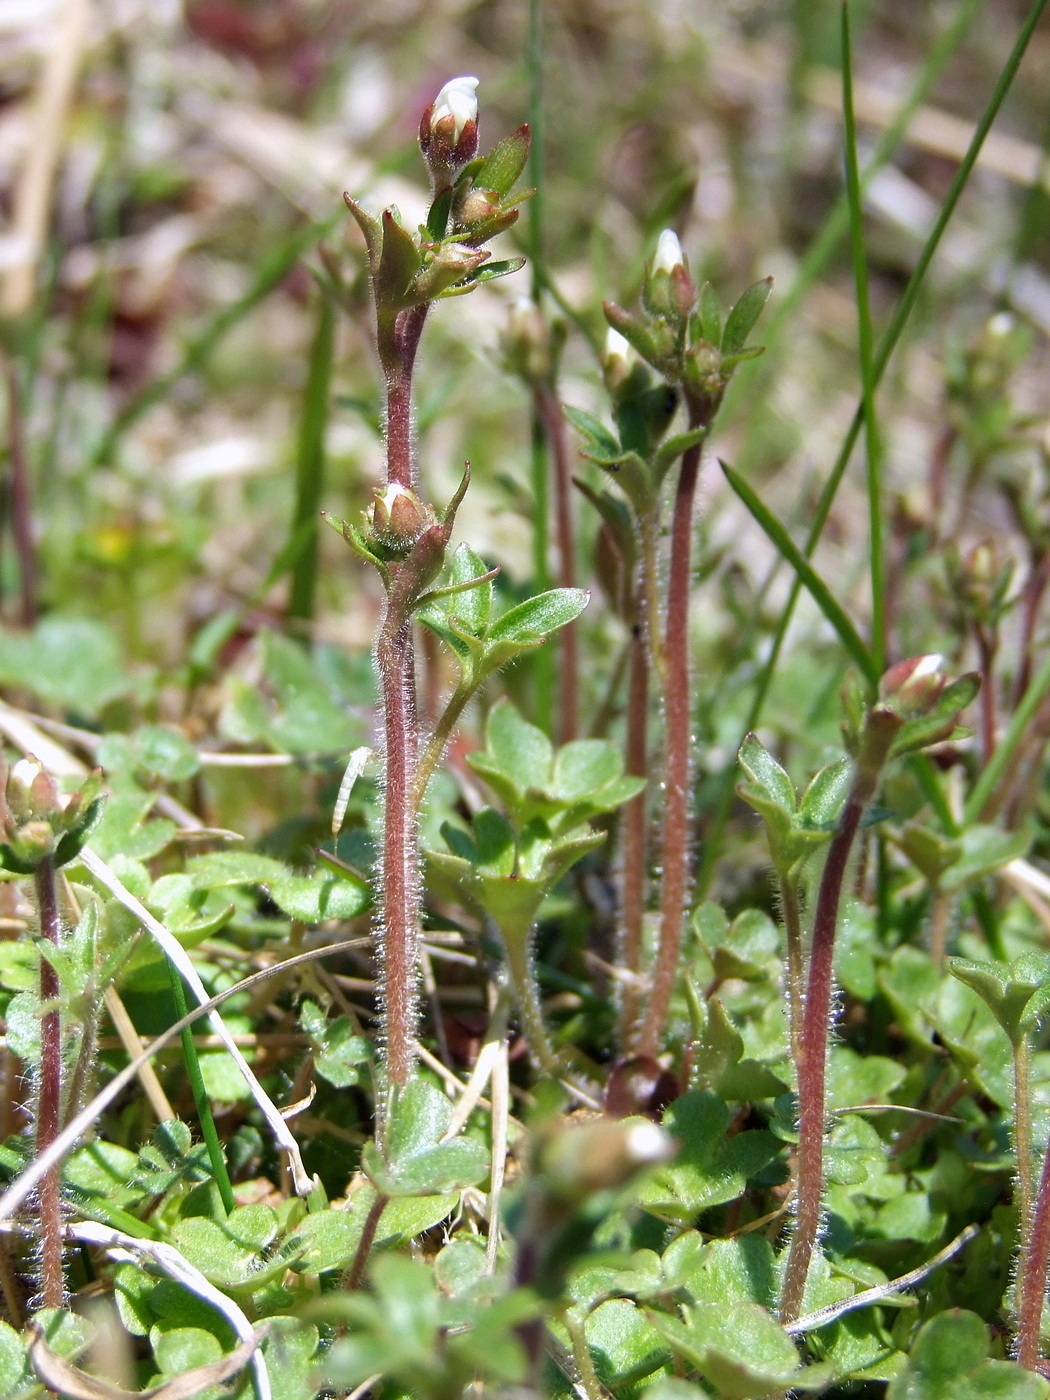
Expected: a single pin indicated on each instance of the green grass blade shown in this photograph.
(885, 349)
(997, 766)
(892, 334)
(202, 1103)
(310, 463)
(806, 574)
(747, 382)
(272, 270)
(865, 340)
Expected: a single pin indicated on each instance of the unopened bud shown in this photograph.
(913, 687)
(602, 1156)
(670, 292)
(669, 253)
(526, 342)
(619, 359)
(32, 793)
(448, 132)
(398, 516)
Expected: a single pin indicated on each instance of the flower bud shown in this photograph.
(398, 516)
(669, 290)
(448, 132)
(913, 687)
(618, 359)
(526, 342)
(601, 1156)
(38, 820)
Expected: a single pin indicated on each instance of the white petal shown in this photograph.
(668, 252)
(458, 100)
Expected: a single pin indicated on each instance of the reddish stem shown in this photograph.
(49, 1105)
(1033, 597)
(675, 852)
(634, 830)
(550, 415)
(400, 902)
(813, 1049)
(399, 910)
(1031, 1276)
(397, 351)
(987, 646)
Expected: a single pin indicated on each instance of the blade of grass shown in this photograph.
(805, 573)
(745, 388)
(271, 272)
(310, 461)
(887, 344)
(865, 341)
(202, 1103)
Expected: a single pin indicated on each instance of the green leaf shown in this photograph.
(708, 1169)
(741, 320)
(763, 770)
(68, 661)
(949, 1361)
(399, 261)
(417, 1162)
(16, 1375)
(183, 1348)
(823, 799)
(623, 1343)
(473, 607)
(540, 616)
(1007, 992)
(983, 850)
(501, 169)
(710, 315)
(515, 749)
(739, 1349)
(583, 767)
(596, 435)
(494, 843)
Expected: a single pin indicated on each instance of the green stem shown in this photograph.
(435, 746)
(517, 942)
(200, 1097)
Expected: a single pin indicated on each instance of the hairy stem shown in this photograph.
(399, 908)
(398, 915)
(675, 853)
(397, 352)
(634, 831)
(518, 945)
(1031, 1275)
(792, 916)
(812, 1060)
(549, 412)
(49, 1106)
(1023, 1137)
